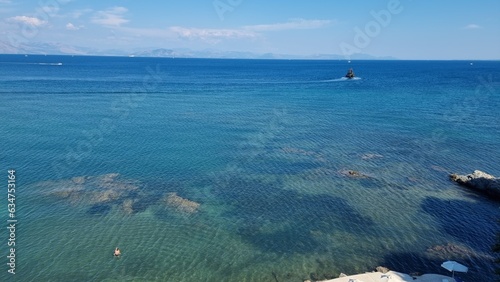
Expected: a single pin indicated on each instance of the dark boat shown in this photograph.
(350, 74)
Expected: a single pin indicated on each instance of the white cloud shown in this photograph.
(212, 35)
(248, 32)
(32, 21)
(78, 13)
(472, 26)
(70, 26)
(149, 32)
(49, 10)
(112, 17)
(290, 25)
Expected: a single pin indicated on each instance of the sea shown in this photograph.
(244, 170)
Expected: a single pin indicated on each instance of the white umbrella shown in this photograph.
(454, 266)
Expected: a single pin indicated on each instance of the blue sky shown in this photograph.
(406, 29)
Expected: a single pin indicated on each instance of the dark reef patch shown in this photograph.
(99, 209)
(458, 218)
(284, 221)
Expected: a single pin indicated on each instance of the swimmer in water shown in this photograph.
(117, 252)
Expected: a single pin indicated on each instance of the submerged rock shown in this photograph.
(455, 251)
(91, 189)
(181, 204)
(103, 193)
(382, 269)
(370, 156)
(110, 177)
(105, 196)
(353, 173)
(128, 206)
(79, 179)
(479, 181)
(73, 194)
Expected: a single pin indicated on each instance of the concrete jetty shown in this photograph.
(391, 276)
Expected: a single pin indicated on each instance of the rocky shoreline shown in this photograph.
(481, 182)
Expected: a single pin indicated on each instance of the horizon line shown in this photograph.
(235, 58)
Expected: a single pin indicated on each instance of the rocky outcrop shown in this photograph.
(481, 182)
(353, 173)
(112, 191)
(382, 269)
(92, 190)
(180, 204)
(455, 251)
(128, 206)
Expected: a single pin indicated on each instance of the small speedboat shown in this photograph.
(350, 74)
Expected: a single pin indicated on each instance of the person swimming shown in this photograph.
(117, 252)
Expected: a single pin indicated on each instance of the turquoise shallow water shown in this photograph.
(262, 147)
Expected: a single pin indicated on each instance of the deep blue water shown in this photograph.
(261, 146)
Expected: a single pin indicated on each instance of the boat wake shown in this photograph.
(343, 79)
(24, 63)
(49, 64)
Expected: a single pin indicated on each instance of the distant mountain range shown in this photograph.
(63, 49)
